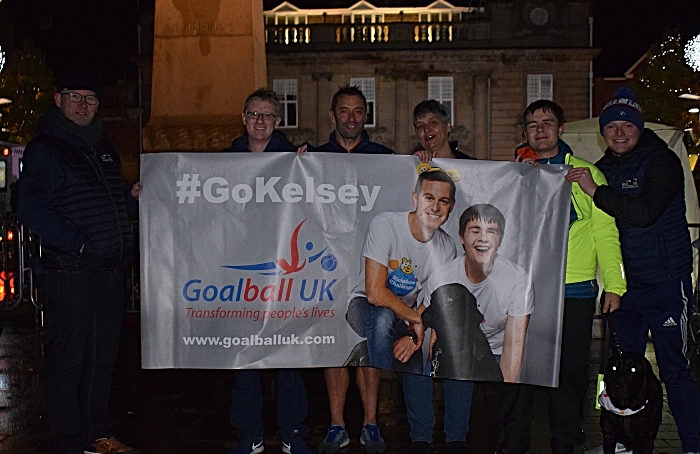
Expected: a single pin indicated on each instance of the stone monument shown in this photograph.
(208, 55)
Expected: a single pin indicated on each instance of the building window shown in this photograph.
(286, 90)
(286, 20)
(366, 86)
(441, 89)
(435, 17)
(539, 86)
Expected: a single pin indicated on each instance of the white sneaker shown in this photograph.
(619, 449)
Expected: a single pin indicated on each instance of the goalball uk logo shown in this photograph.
(283, 289)
(283, 266)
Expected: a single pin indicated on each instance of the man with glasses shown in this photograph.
(73, 196)
(260, 117)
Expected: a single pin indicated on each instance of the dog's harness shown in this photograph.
(605, 402)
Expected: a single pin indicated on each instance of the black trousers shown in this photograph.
(565, 402)
(84, 314)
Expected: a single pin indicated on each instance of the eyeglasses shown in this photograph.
(265, 116)
(77, 97)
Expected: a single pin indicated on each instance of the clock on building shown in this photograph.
(539, 16)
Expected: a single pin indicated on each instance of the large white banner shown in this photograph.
(248, 259)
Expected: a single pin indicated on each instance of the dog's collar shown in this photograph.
(605, 402)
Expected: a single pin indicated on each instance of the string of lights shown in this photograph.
(692, 53)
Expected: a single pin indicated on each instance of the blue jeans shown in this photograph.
(376, 323)
(418, 394)
(247, 401)
(381, 327)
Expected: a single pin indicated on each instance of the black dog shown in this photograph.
(635, 393)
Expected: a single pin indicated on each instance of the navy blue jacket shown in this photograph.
(74, 197)
(645, 194)
(365, 146)
(278, 142)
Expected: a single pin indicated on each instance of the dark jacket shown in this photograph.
(73, 196)
(278, 142)
(455, 151)
(645, 194)
(365, 146)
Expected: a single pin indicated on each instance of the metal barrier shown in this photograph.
(30, 245)
(16, 278)
(11, 265)
(694, 321)
(20, 268)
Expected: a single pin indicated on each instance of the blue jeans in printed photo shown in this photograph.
(381, 327)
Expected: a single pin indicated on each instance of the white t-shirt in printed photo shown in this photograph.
(507, 290)
(389, 241)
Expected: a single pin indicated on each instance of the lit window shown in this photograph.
(286, 90)
(366, 86)
(441, 89)
(539, 86)
(3, 172)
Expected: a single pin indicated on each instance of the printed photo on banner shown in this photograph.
(319, 260)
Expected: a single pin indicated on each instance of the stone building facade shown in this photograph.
(484, 61)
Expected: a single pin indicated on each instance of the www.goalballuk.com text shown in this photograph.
(258, 315)
(255, 340)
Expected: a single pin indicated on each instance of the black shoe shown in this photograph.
(458, 447)
(359, 356)
(420, 447)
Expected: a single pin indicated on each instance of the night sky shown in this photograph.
(625, 29)
(101, 35)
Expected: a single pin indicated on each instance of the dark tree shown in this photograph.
(666, 77)
(28, 82)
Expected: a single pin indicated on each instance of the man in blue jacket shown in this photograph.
(348, 114)
(261, 117)
(72, 195)
(645, 194)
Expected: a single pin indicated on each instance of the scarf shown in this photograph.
(91, 134)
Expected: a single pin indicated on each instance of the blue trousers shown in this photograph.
(247, 401)
(418, 394)
(664, 310)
